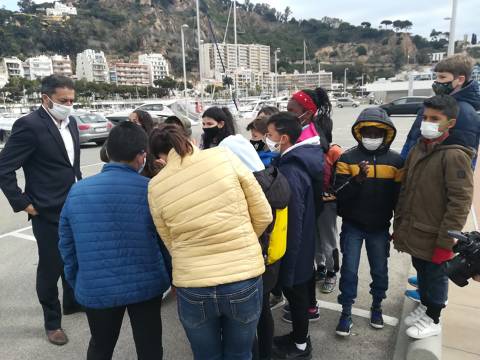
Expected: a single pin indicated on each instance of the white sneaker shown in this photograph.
(424, 328)
(415, 315)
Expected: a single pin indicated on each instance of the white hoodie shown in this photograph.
(244, 150)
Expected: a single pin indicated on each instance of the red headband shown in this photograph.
(305, 101)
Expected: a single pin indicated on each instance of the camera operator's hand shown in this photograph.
(441, 255)
(476, 278)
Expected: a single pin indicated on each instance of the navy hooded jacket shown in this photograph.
(108, 242)
(303, 168)
(468, 121)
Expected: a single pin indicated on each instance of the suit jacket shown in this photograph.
(37, 146)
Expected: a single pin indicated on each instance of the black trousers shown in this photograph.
(146, 322)
(49, 270)
(298, 297)
(262, 346)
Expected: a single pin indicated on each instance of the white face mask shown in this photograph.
(143, 165)
(429, 130)
(272, 145)
(60, 112)
(372, 144)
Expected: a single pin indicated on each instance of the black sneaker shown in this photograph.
(344, 325)
(320, 274)
(376, 318)
(313, 315)
(290, 351)
(283, 340)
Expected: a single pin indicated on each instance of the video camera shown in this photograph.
(467, 263)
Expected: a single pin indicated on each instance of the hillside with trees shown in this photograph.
(124, 28)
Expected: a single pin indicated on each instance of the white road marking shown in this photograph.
(16, 233)
(389, 320)
(12, 233)
(24, 236)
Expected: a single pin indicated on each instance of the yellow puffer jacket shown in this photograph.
(209, 211)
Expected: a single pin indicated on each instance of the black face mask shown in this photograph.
(210, 133)
(259, 145)
(442, 88)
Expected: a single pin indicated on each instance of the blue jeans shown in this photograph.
(221, 321)
(377, 244)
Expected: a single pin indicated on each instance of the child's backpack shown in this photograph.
(331, 158)
(277, 191)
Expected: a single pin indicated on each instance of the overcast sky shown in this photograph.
(425, 14)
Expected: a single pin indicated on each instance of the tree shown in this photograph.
(287, 14)
(366, 25)
(167, 83)
(26, 6)
(434, 35)
(361, 50)
(397, 25)
(386, 23)
(407, 24)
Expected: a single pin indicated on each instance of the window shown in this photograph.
(90, 118)
(400, 101)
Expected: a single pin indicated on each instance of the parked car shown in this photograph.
(409, 105)
(118, 116)
(92, 127)
(158, 110)
(345, 102)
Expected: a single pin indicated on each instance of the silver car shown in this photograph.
(345, 102)
(92, 127)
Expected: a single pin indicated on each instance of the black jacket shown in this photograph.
(277, 191)
(37, 146)
(369, 204)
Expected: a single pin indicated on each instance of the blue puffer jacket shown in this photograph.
(468, 121)
(109, 243)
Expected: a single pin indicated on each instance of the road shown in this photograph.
(21, 319)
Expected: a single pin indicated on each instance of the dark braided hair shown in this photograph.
(323, 121)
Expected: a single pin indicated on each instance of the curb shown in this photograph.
(408, 349)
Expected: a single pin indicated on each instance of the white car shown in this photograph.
(345, 102)
(157, 109)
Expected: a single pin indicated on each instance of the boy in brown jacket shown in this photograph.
(436, 196)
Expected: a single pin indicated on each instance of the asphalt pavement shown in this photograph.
(21, 320)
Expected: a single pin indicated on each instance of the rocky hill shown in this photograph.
(124, 28)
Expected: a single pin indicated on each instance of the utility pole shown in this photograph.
(304, 57)
(199, 51)
(184, 26)
(453, 20)
(345, 82)
(277, 50)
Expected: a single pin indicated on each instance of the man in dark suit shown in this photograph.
(45, 144)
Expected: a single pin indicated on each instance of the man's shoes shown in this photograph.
(424, 327)
(344, 325)
(276, 301)
(57, 337)
(376, 318)
(415, 315)
(313, 315)
(413, 281)
(329, 284)
(320, 274)
(283, 340)
(287, 349)
(73, 310)
(413, 295)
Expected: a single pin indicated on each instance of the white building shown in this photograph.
(386, 90)
(92, 66)
(62, 65)
(3, 76)
(298, 81)
(159, 67)
(252, 57)
(130, 74)
(13, 66)
(38, 67)
(436, 57)
(60, 9)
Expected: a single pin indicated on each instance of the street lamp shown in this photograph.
(184, 26)
(451, 36)
(345, 82)
(277, 50)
